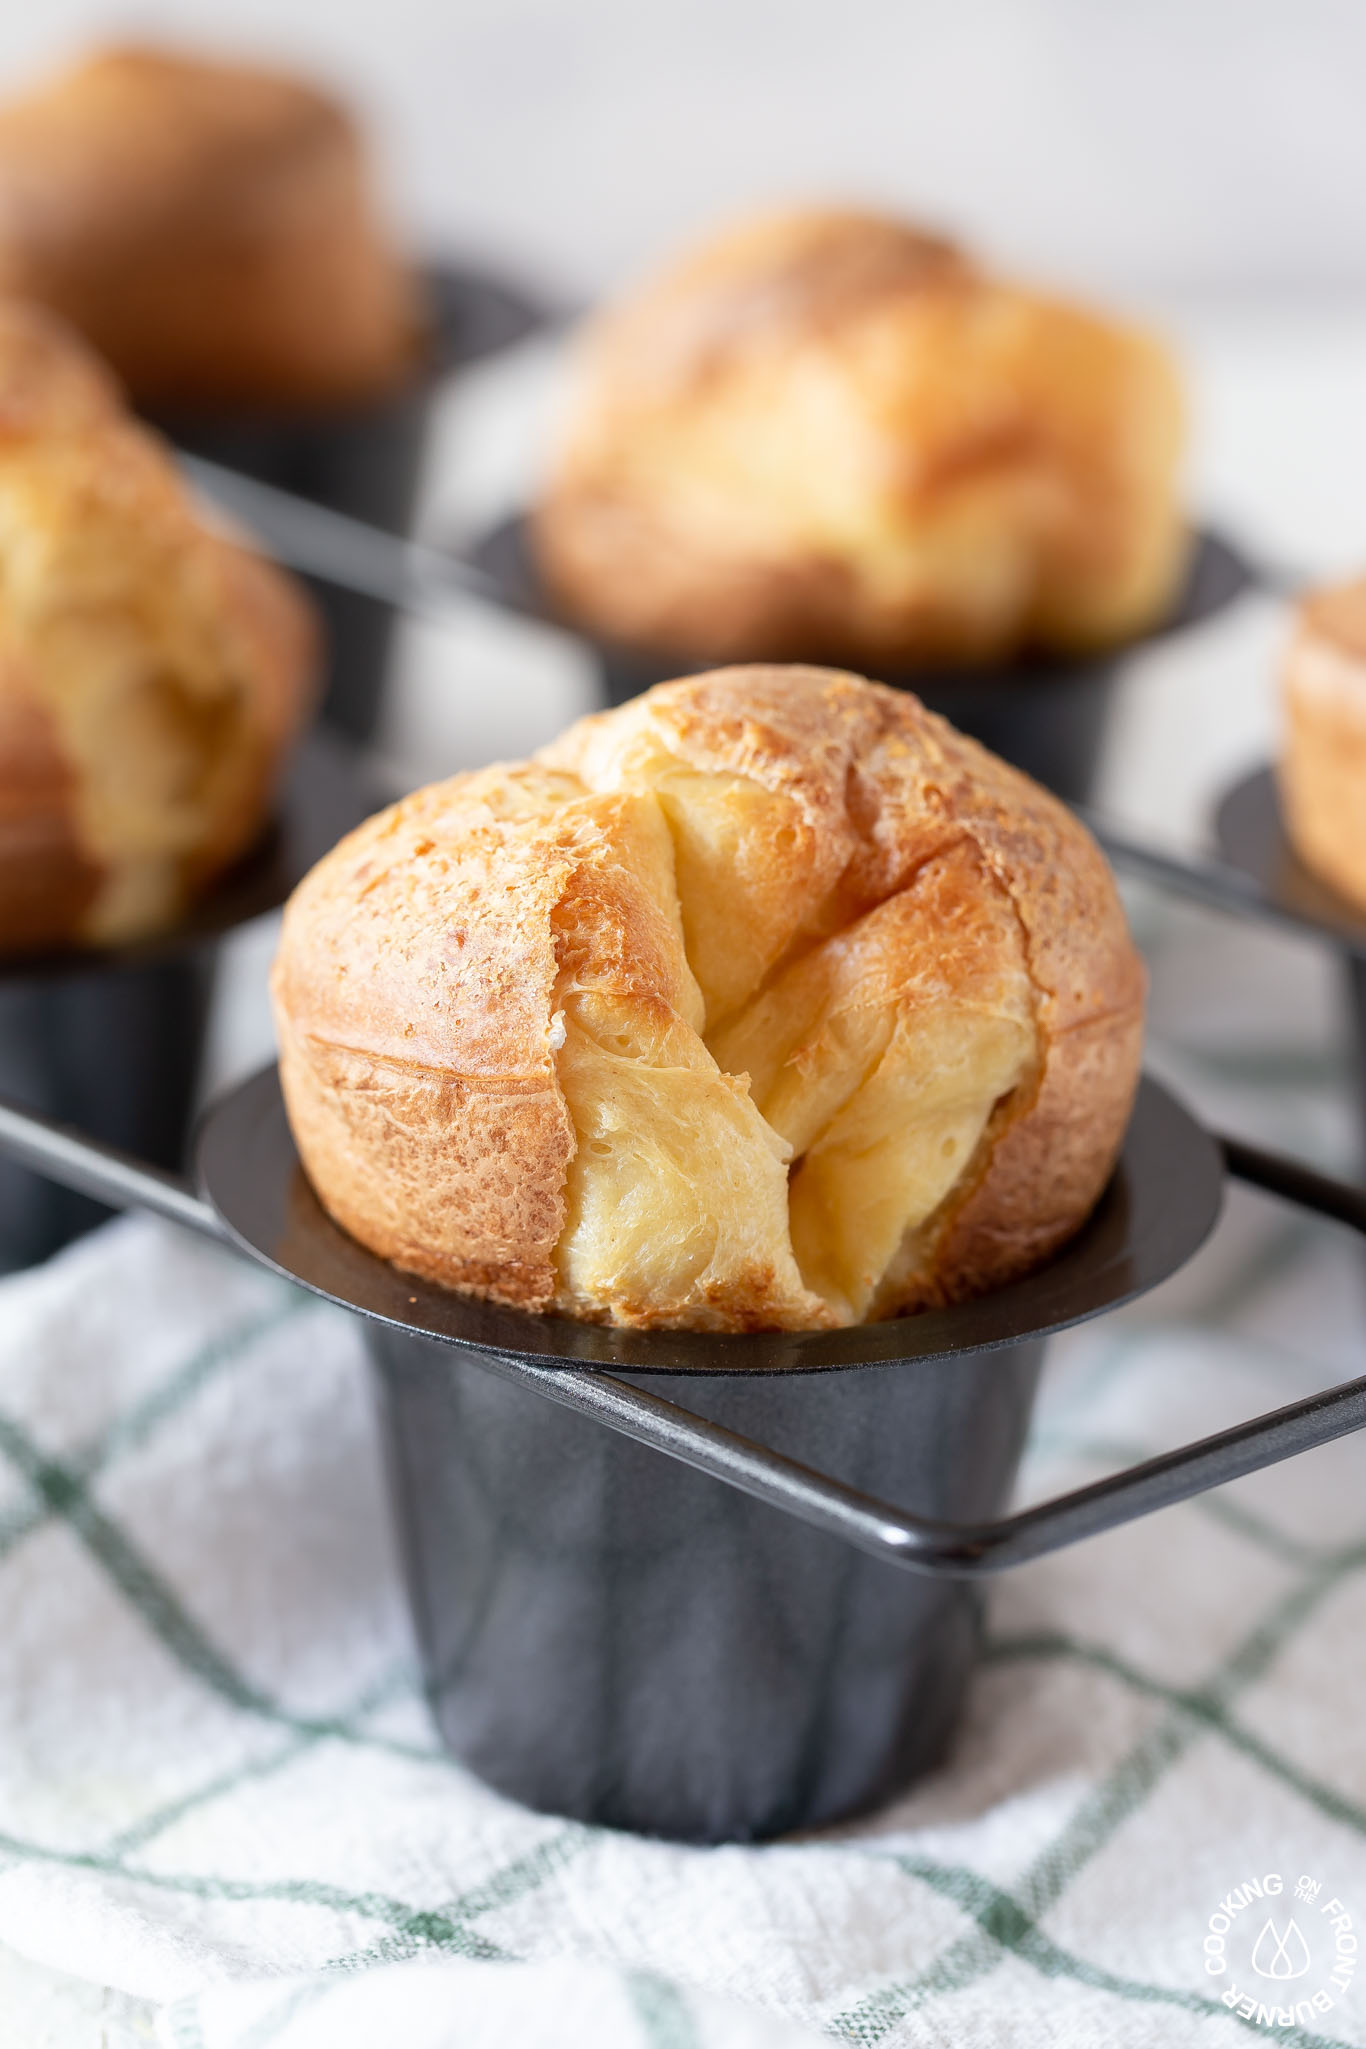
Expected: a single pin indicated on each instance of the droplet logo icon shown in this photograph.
(1281, 1956)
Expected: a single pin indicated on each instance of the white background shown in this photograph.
(1177, 146)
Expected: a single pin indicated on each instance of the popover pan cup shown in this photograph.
(1048, 717)
(612, 1636)
(617, 1637)
(365, 461)
(1250, 833)
(580, 1585)
(112, 1040)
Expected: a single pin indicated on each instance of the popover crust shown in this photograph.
(765, 1001)
(830, 436)
(1323, 760)
(208, 228)
(152, 672)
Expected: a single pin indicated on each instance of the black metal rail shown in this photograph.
(341, 550)
(1200, 877)
(916, 1542)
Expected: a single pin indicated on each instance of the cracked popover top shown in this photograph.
(765, 1001)
(830, 436)
(154, 673)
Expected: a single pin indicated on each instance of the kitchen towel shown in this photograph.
(222, 1799)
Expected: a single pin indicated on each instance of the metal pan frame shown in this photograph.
(1255, 873)
(882, 1528)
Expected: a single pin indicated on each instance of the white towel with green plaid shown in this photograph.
(222, 1800)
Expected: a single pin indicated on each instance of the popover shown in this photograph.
(764, 1001)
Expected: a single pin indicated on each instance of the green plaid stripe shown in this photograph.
(419, 1928)
(62, 1491)
(65, 1494)
(140, 1423)
(1060, 1649)
(1008, 1930)
(665, 2022)
(391, 1686)
(1002, 1932)
(186, 2031)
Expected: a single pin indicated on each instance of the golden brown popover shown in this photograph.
(830, 436)
(765, 1001)
(1323, 758)
(152, 672)
(209, 228)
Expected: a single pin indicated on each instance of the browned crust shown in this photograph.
(415, 982)
(1323, 757)
(112, 515)
(1335, 615)
(47, 880)
(624, 573)
(1045, 429)
(412, 994)
(766, 282)
(279, 643)
(208, 227)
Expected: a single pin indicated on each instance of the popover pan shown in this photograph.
(1259, 875)
(366, 461)
(1047, 716)
(770, 1626)
(1252, 838)
(112, 1039)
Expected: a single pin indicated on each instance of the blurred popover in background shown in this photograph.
(209, 227)
(764, 1001)
(153, 673)
(828, 435)
(1323, 754)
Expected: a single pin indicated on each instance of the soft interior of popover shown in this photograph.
(766, 1110)
(130, 662)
